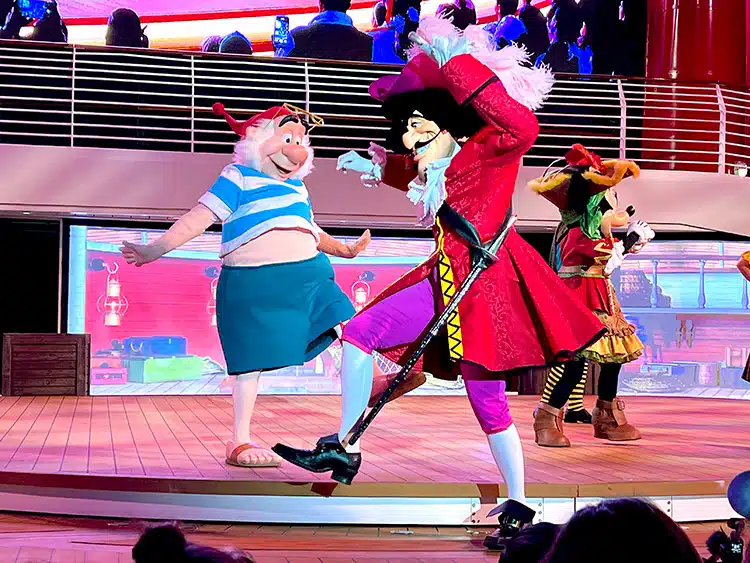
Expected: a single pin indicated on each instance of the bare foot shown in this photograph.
(250, 454)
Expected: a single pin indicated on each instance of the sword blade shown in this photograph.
(493, 247)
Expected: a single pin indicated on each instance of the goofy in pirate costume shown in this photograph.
(461, 111)
(587, 254)
(277, 303)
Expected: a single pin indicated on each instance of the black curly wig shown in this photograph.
(434, 104)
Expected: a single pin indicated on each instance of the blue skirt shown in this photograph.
(279, 315)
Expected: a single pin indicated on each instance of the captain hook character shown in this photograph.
(461, 116)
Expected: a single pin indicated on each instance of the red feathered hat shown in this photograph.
(600, 175)
(241, 127)
(420, 73)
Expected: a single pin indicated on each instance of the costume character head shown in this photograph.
(275, 142)
(584, 192)
(426, 120)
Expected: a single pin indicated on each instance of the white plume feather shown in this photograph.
(524, 83)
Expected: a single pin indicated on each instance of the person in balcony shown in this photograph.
(332, 35)
(508, 28)
(5, 8)
(211, 44)
(461, 13)
(235, 44)
(605, 35)
(563, 27)
(49, 29)
(581, 51)
(537, 39)
(124, 30)
(277, 303)
(586, 253)
(385, 36)
(461, 119)
(411, 11)
(386, 47)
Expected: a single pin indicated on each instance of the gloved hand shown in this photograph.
(372, 173)
(378, 154)
(645, 235)
(617, 258)
(139, 254)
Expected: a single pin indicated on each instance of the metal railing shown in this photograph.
(161, 100)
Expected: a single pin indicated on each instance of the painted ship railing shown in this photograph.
(161, 100)
(716, 276)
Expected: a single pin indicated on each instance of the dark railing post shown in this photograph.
(73, 98)
(745, 300)
(192, 103)
(655, 288)
(702, 286)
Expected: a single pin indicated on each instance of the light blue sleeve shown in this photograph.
(223, 197)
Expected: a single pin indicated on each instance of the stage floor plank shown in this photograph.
(416, 440)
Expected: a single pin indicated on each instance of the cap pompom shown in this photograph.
(239, 128)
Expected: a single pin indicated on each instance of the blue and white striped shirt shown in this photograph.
(250, 203)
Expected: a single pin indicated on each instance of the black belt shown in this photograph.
(468, 232)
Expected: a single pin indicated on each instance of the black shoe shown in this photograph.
(328, 455)
(577, 417)
(513, 516)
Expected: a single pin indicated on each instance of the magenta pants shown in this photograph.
(401, 319)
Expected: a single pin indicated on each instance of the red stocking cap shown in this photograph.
(241, 127)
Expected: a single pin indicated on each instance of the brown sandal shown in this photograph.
(233, 458)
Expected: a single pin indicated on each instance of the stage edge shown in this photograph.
(315, 510)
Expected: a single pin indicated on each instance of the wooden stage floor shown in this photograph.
(423, 445)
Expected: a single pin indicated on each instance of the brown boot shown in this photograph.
(610, 423)
(548, 427)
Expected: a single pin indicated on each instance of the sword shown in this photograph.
(486, 258)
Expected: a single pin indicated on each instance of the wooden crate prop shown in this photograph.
(46, 364)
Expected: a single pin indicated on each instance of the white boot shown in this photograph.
(508, 453)
(356, 386)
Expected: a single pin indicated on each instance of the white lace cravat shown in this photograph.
(431, 194)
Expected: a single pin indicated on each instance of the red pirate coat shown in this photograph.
(518, 314)
(582, 268)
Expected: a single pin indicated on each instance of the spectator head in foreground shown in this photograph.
(124, 29)
(236, 44)
(531, 544)
(622, 531)
(738, 492)
(211, 44)
(167, 544)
